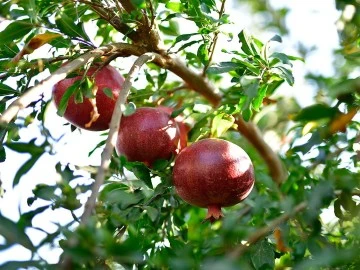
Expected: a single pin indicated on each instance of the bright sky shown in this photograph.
(311, 22)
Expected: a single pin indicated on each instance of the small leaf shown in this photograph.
(245, 42)
(174, 6)
(14, 234)
(287, 75)
(129, 109)
(65, 98)
(161, 79)
(108, 92)
(25, 168)
(282, 57)
(29, 147)
(315, 112)
(67, 26)
(7, 90)
(203, 54)
(152, 213)
(222, 67)
(139, 3)
(276, 38)
(15, 31)
(263, 254)
(142, 173)
(221, 123)
(249, 66)
(2, 153)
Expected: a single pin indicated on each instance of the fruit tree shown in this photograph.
(182, 134)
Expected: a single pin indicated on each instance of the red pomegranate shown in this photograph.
(213, 173)
(147, 135)
(183, 128)
(81, 114)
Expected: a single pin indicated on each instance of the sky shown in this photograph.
(311, 22)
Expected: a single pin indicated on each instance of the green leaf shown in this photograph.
(203, 54)
(45, 192)
(276, 38)
(174, 6)
(108, 92)
(140, 171)
(14, 234)
(316, 112)
(129, 109)
(222, 67)
(29, 147)
(139, 3)
(257, 102)
(16, 265)
(221, 123)
(25, 168)
(263, 255)
(245, 43)
(161, 79)
(67, 26)
(287, 75)
(345, 87)
(282, 57)
(65, 98)
(250, 84)
(249, 66)
(124, 199)
(152, 212)
(2, 153)
(7, 90)
(15, 31)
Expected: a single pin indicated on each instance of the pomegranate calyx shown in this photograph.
(214, 213)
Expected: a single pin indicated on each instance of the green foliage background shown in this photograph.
(145, 226)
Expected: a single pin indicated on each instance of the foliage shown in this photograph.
(140, 221)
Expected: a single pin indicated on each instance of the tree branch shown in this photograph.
(251, 132)
(262, 232)
(113, 133)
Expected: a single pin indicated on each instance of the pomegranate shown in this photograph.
(80, 114)
(147, 135)
(213, 173)
(183, 128)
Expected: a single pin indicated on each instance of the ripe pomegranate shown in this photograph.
(183, 128)
(213, 173)
(81, 114)
(147, 135)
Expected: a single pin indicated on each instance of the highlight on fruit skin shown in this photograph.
(80, 114)
(147, 135)
(213, 173)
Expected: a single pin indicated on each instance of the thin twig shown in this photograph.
(251, 132)
(262, 232)
(113, 132)
(216, 34)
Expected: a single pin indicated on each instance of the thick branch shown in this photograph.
(113, 133)
(251, 132)
(262, 232)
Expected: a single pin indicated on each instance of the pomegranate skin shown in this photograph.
(213, 173)
(80, 114)
(183, 128)
(147, 135)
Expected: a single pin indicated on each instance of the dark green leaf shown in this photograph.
(123, 199)
(45, 192)
(14, 234)
(108, 92)
(29, 147)
(67, 95)
(14, 31)
(276, 38)
(162, 79)
(245, 43)
(2, 153)
(25, 168)
(7, 90)
(139, 3)
(345, 87)
(16, 265)
(67, 26)
(152, 213)
(282, 57)
(263, 254)
(287, 75)
(142, 173)
(249, 66)
(316, 112)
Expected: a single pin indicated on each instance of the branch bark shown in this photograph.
(251, 132)
(113, 132)
(262, 232)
